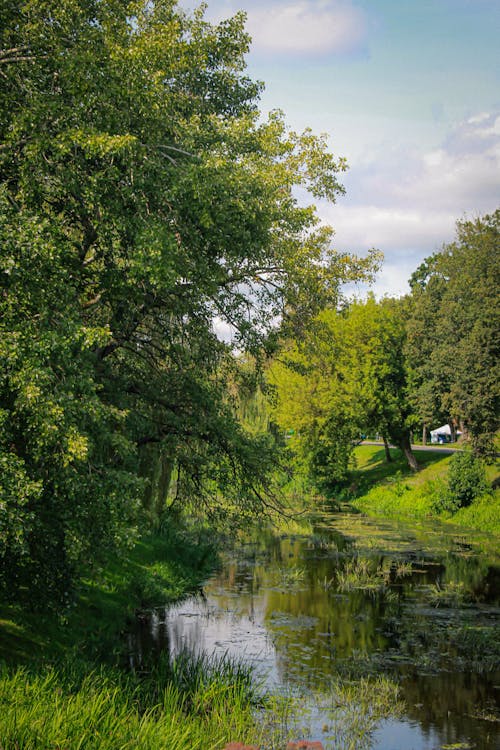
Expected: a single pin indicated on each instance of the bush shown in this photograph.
(466, 481)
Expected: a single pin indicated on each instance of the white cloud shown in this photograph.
(390, 228)
(462, 176)
(407, 204)
(481, 117)
(392, 281)
(307, 27)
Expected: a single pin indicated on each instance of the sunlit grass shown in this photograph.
(390, 489)
(372, 467)
(195, 704)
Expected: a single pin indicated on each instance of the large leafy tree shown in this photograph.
(453, 328)
(376, 371)
(142, 198)
(312, 405)
(346, 376)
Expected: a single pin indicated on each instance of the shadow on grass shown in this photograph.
(373, 468)
(160, 568)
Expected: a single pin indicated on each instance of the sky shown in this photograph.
(408, 91)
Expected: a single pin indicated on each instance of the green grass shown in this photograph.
(372, 468)
(191, 704)
(160, 568)
(392, 490)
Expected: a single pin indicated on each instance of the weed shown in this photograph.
(359, 574)
(452, 594)
(352, 710)
(403, 568)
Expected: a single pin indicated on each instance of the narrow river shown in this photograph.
(357, 597)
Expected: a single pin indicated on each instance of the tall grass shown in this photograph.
(193, 703)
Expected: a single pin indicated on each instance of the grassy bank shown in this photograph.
(187, 705)
(60, 681)
(160, 568)
(390, 489)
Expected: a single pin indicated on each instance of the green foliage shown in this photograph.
(466, 482)
(141, 198)
(346, 375)
(452, 344)
(331, 453)
(466, 479)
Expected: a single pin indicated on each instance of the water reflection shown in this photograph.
(356, 596)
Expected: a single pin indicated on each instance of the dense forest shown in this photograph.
(144, 200)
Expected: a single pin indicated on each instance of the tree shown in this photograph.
(377, 372)
(141, 197)
(312, 406)
(453, 328)
(346, 376)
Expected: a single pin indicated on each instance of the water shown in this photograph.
(357, 597)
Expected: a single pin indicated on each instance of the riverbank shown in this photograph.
(391, 490)
(61, 678)
(160, 568)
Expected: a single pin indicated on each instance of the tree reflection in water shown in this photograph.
(357, 597)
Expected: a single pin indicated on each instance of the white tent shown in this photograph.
(444, 433)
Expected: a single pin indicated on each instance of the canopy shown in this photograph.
(444, 430)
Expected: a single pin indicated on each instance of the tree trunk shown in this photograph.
(405, 446)
(453, 432)
(424, 434)
(465, 433)
(156, 465)
(388, 456)
(167, 466)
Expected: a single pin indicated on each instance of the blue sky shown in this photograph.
(408, 91)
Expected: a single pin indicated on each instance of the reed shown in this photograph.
(194, 703)
(360, 573)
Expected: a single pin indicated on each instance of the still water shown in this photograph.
(357, 597)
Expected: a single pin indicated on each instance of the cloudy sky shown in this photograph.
(408, 91)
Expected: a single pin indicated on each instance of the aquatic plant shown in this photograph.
(358, 573)
(403, 568)
(290, 576)
(450, 594)
(322, 542)
(352, 710)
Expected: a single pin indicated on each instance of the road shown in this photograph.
(446, 450)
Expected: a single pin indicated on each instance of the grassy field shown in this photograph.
(391, 489)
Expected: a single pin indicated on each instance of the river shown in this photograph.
(355, 598)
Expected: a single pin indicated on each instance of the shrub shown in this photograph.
(466, 481)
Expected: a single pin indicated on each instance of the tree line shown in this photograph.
(394, 367)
